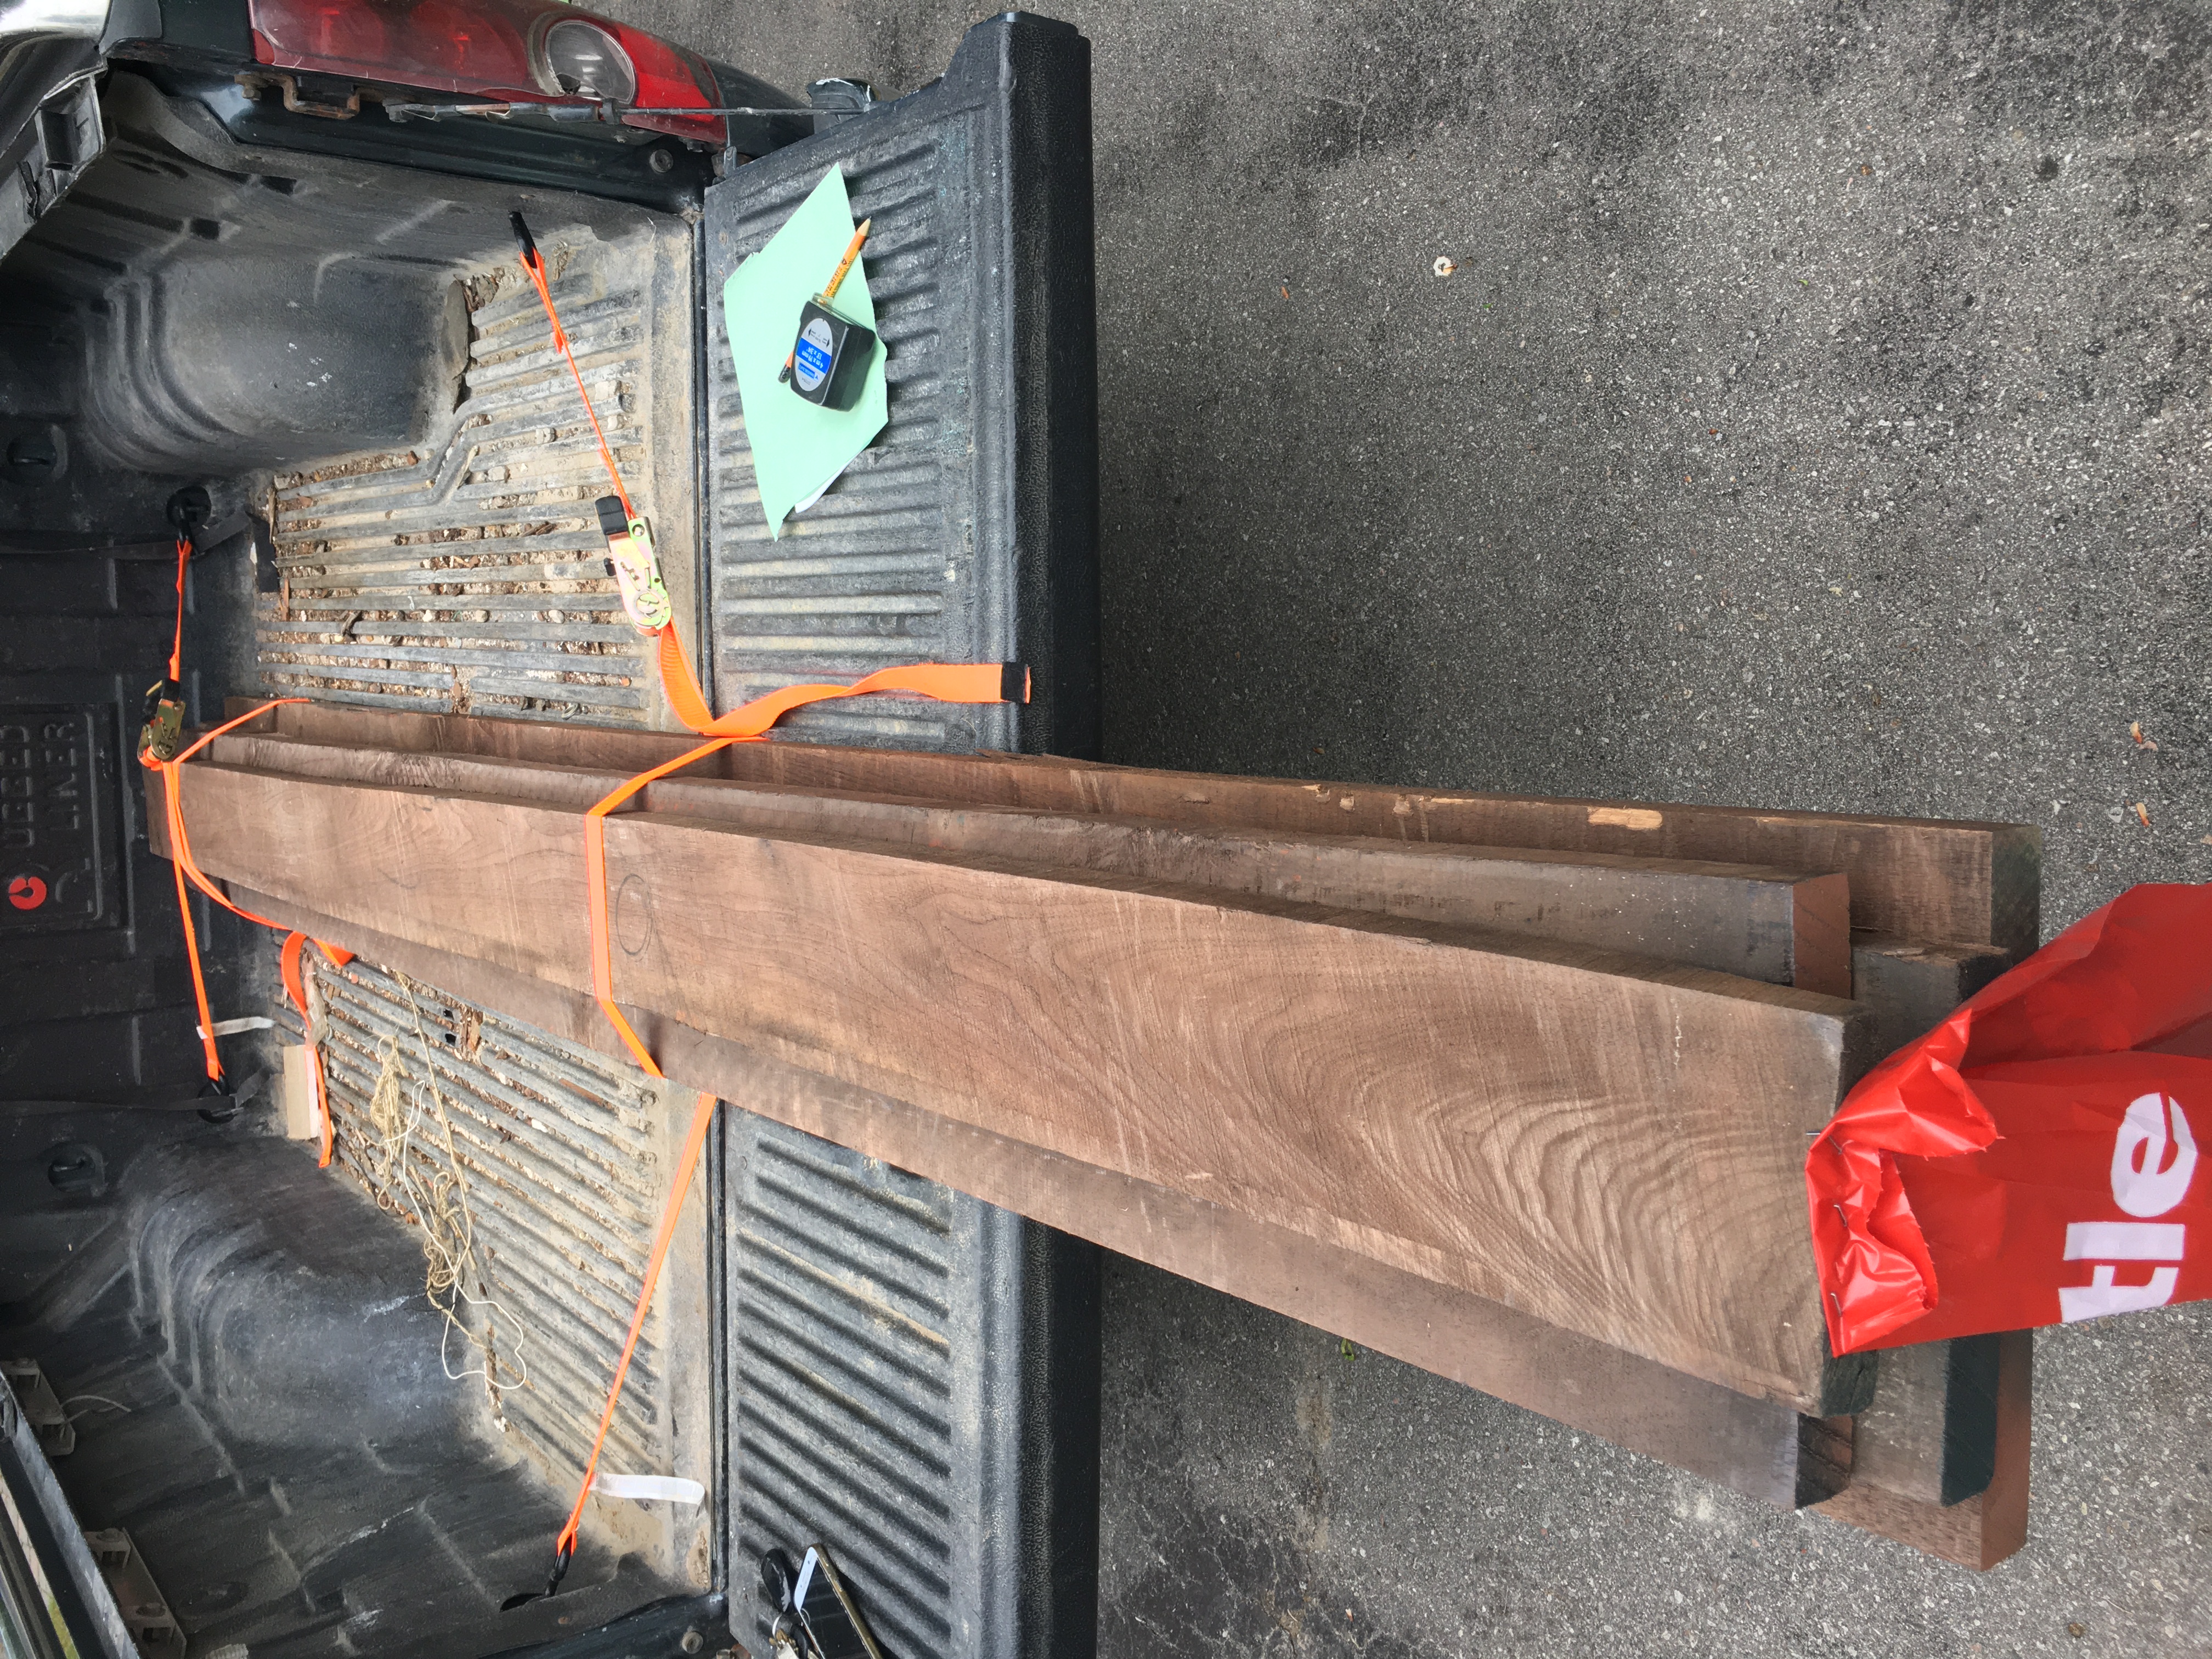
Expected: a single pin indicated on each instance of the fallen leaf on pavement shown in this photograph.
(2135, 730)
(2143, 814)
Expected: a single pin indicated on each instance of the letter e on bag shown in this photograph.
(2140, 1186)
(2144, 1183)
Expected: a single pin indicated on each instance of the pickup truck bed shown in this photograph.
(345, 351)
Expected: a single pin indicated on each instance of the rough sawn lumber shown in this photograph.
(1687, 915)
(1928, 879)
(1606, 1143)
(1759, 1447)
(1786, 927)
(1918, 1389)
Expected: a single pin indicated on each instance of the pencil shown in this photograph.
(852, 253)
(823, 299)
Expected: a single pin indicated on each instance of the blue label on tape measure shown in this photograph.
(810, 359)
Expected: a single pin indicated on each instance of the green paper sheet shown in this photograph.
(799, 448)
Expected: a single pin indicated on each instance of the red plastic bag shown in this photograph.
(2035, 1158)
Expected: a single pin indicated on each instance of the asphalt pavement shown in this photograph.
(1787, 405)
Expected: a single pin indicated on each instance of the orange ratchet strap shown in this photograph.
(964, 683)
(947, 681)
(702, 1118)
(595, 865)
(533, 266)
(177, 642)
(185, 871)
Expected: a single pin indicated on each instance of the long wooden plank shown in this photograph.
(1609, 1144)
(1908, 985)
(1759, 1447)
(1976, 884)
(1782, 927)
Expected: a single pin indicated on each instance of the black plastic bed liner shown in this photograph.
(275, 1428)
(254, 1376)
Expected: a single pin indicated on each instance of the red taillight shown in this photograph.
(339, 31)
(666, 80)
(492, 48)
(468, 47)
(447, 45)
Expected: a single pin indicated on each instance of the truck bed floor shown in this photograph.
(259, 1399)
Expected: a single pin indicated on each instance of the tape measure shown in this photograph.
(829, 362)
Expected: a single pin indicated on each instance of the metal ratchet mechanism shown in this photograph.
(163, 733)
(636, 571)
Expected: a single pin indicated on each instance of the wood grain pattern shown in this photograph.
(1606, 1143)
(1755, 1447)
(1976, 884)
(1983, 1529)
(1930, 1433)
(1782, 926)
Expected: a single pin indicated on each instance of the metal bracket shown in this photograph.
(288, 85)
(41, 1406)
(267, 578)
(153, 1629)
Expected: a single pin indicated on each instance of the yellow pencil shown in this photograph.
(852, 253)
(823, 299)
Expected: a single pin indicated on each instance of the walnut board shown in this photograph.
(1759, 1447)
(1732, 917)
(1927, 879)
(1606, 1143)
(1786, 927)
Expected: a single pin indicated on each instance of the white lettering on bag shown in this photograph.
(2143, 1184)
(2125, 1241)
(2101, 1295)
(2139, 1186)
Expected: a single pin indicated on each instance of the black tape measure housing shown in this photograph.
(829, 361)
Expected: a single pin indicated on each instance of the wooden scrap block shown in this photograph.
(301, 1121)
(1897, 1490)
(1912, 985)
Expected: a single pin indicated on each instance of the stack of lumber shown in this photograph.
(1518, 1091)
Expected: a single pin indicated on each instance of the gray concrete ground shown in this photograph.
(1816, 418)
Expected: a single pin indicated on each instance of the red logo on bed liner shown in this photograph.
(25, 892)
